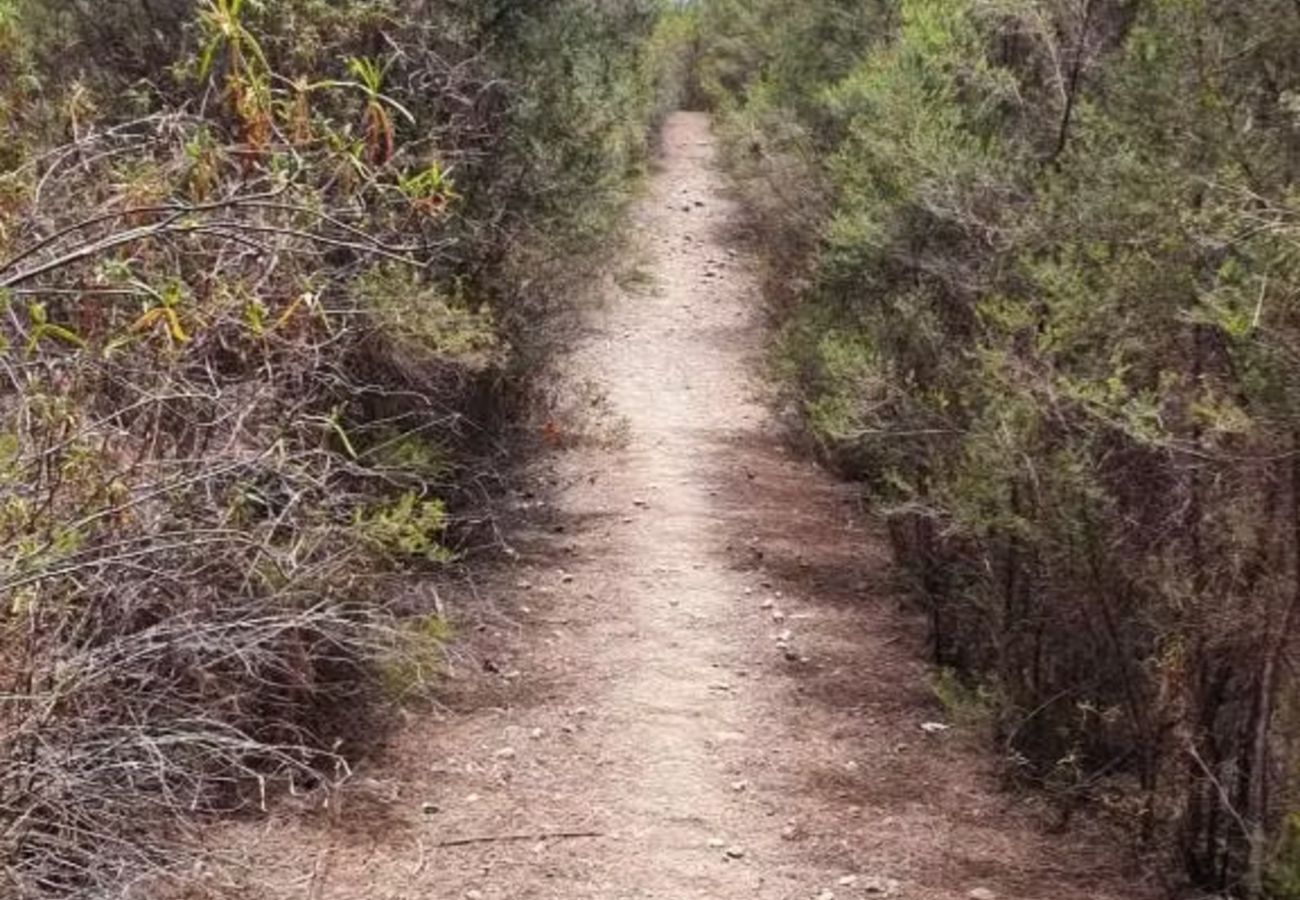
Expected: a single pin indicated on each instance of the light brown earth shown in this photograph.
(628, 682)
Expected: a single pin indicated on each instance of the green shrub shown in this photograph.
(1044, 316)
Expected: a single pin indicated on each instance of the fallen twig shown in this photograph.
(507, 838)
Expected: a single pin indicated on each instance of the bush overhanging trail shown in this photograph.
(1037, 262)
(262, 278)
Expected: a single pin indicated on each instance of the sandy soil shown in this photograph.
(696, 680)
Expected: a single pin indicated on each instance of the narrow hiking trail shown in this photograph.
(695, 682)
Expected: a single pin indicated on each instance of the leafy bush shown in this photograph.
(1045, 317)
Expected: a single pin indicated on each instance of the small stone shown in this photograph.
(982, 893)
(474, 895)
(934, 727)
(641, 503)
(789, 833)
(735, 853)
(767, 604)
(826, 895)
(778, 616)
(740, 786)
(881, 886)
(536, 734)
(566, 578)
(430, 809)
(848, 881)
(506, 753)
(717, 843)
(785, 637)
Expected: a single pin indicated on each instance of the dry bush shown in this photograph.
(249, 341)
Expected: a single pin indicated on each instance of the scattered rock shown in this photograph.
(778, 616)
(981, 893)
(767, 604)
(826, 895)
(848, 881)
(430, 809)
(789, 833)
(881, 887)
(785, 637)
(506, 753)
(566, 578)
(735, 853)
(473, 895)
(740, 786)
(641, 503)
(717, 843)
(934, 727)
(537, 734)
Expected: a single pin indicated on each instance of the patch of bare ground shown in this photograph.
(694, 680)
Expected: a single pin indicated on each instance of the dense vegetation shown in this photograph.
(266, 270)
(1042, 294)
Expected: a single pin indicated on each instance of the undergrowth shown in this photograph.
(265, 268)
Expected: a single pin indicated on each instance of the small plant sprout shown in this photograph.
(377, 121)
(43, 329)
(247, 72)
(163, 311)
(431, 190)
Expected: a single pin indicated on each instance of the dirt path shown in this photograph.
(697, 660)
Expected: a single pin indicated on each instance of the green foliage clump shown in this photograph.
(427, 322)
(407, 527)
(1045, 313)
